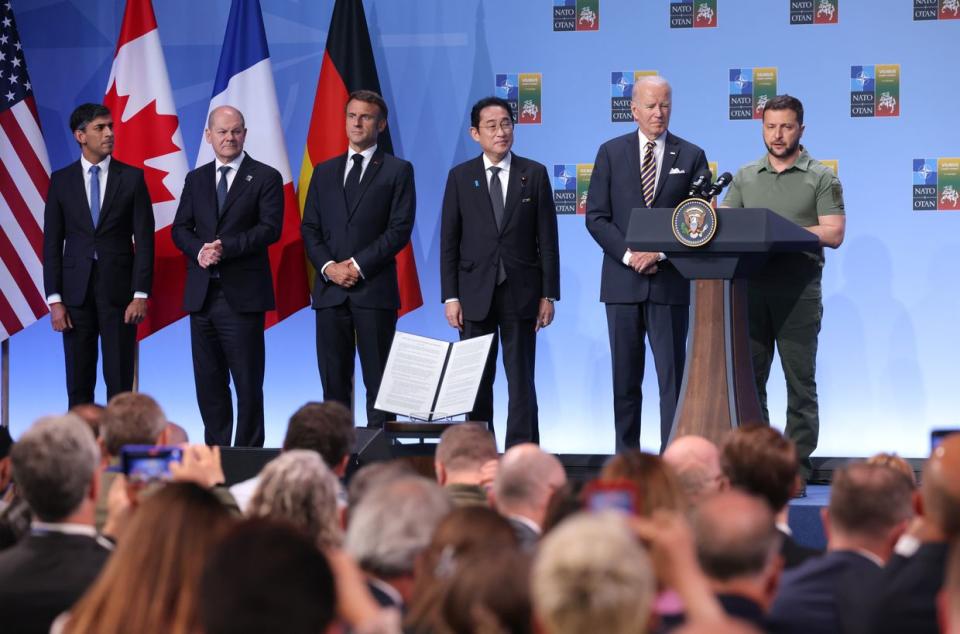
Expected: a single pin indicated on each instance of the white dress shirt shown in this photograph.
(367, 156)
(660, 146)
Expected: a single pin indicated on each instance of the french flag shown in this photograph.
(245, 81)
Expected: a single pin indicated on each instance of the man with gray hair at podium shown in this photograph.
(785, 298)
(644, 295)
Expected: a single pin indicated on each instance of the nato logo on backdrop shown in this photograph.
(814, 11)
(621, 92)
(936, 184)
(693, 14)
(750, 90)
(875, 90)
(936, 10)
(571, 181)
(576, 15)
(523, 91)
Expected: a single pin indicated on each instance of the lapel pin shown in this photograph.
(523, 181)
(249, 177)
(476, 184)
(673, 153)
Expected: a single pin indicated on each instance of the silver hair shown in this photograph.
(655, 80)
(591, 574)
(54, 464)
(297, 486)
(392, 524)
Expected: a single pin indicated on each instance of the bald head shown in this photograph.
(526, 479)
(941, 487)
(696, 462)
(736, 536)
(650, 82)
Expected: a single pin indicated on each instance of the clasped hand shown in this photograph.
(210, 254)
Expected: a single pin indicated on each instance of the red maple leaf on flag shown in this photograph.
(145, 135)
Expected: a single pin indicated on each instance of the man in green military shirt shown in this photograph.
(785, 299)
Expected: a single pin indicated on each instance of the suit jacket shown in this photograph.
(372, 232)
(70, 240)
(907, 600)
(471, 246)
(251, 220)
(825, 594)
(794, 553)
(43, 575)
(615, 190)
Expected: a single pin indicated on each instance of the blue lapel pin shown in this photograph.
(476, 184)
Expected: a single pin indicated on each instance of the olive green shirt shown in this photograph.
(801, 193)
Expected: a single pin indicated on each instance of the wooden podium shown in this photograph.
(718, 391)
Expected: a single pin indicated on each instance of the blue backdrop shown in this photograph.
(887, 349)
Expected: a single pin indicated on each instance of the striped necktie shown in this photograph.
(648, 173)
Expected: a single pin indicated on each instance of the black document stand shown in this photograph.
(719, 392)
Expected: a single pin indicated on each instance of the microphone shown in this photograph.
(697, 186)
(718, 186)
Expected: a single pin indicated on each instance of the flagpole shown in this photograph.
(5, 383)
(136, 367)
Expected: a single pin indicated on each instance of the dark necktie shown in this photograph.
(351, 189)
(496, 199)
(95, 194)
(648, 173)
(222, 188)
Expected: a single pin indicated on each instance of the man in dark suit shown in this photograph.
(230, 211)
(643, 292)
(762, 462)
(500, 261)
(526, 479)
(870, 506)
(55, 469)
(910, 584)
(97, 281)
(358, 215)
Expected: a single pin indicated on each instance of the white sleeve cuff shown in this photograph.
(358, 268)
(140, 295)
(324, 268)
(626, 257)
(54, 298)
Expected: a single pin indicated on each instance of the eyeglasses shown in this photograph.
(506, 125)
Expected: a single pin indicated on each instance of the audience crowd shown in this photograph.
(696, 540)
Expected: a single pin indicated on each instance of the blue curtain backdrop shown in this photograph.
(888, 347)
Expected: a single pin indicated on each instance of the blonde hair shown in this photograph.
(592, 575)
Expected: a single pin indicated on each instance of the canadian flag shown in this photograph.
(148, 136)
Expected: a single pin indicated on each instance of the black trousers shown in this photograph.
(342, 332)
(98, 318)
(519, 339)
(665, 325)
(227, 344)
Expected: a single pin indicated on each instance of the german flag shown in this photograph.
(348, 65)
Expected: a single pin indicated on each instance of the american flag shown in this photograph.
(24, 179)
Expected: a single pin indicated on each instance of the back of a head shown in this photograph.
(373, 476)
(265, 576)
(736, 536)
(131, 418)
(526, 478)
(297, 487)
(150, 583)
(392, 525)
(656, 482)
(696, 463)
(591, 575)
(54, 464)
(326, 428)
(761, 461)
(466, 447)
(941, 487)
(869, 500)
(895, 462)
(490, 593)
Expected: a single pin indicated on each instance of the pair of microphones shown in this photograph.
(702, 188)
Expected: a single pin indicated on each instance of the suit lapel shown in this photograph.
(632, 161)
(516, 183)
(114, 176)
(671, 150)
(376, 161)
(79, 192)
(241, 181)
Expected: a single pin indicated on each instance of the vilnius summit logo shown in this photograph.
(576, 15)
